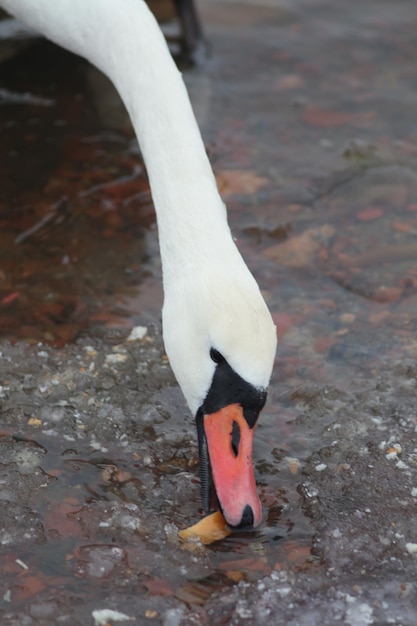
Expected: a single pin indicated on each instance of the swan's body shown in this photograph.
(218, 332)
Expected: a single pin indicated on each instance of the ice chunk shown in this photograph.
(138, 332)
(411, 548)
(103, 616)
(173, 617)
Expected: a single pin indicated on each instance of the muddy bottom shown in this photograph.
(308, 114)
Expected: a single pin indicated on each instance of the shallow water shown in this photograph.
(308, 117)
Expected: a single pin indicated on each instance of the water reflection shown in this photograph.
(73, 249)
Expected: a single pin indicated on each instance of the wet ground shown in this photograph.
(308, 109)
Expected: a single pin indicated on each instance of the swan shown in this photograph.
(218, 332)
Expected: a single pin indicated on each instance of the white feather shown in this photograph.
(211, 299)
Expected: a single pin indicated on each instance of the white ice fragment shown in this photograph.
(358, 613)
(320, 467)
(376, 420)
(113, 359)
(279, 576)
(138, 332)
(50, 432)
(311, 492)
(401, 465)
(43, 354)
(411, 548)
(173, 617)
(90, 350)
(7, 597)
(130, 522)
(171, 532)
(414, 492)
(284, 590)
(243, 610)
(103, 616)
(96, 445)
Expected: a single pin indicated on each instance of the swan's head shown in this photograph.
(221, 342)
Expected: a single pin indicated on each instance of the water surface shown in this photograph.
(308, 114)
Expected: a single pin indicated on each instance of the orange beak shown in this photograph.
(230, 442)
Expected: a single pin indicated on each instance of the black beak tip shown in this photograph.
(246, 523)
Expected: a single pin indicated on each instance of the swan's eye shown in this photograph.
(216, 356)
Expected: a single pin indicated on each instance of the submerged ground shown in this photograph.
(308, 110)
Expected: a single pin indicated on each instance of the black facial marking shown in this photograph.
(227, 387)
(235, 438)
(216, 356)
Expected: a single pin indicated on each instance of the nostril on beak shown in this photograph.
(247, 519)
(235, 438)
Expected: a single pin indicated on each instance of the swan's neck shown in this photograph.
(122, 38)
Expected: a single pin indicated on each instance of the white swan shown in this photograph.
(218, 332)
